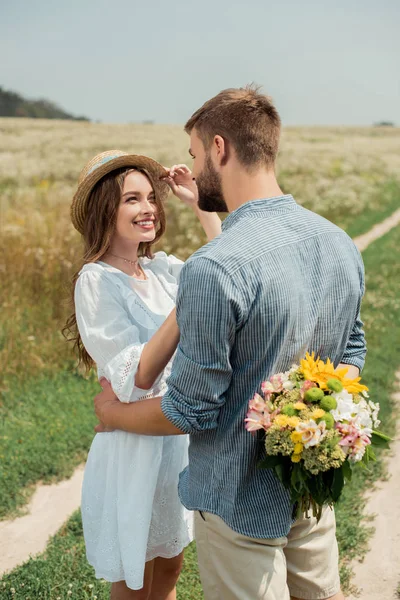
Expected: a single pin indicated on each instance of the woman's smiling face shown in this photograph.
(137, 211)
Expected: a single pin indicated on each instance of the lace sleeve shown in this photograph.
(110, 337)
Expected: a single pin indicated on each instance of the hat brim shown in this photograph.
(152, 168)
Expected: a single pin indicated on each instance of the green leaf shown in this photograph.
(347, 470)
(382, 435)
(380, 440)
(337, 484)
(269, 462)
(370, 454)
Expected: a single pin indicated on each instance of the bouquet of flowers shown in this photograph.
(318, 425)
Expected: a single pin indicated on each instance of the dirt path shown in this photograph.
(49, 508)
(363, 241)
(51, 505)
(378, 576)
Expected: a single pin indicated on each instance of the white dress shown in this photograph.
(131, 511)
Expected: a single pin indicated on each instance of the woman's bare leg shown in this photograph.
(165, 576)
(120, 591)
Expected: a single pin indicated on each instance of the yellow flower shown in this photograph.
(282, 420)
(298, 448)
(317, 413)
(293, 421)
(320, 372)
(285, 421)
(296, 436)
(300, 406)
(296, 458)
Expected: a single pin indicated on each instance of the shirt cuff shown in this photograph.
(355, 361)
(174, 416)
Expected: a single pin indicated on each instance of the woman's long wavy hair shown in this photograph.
(99, 227)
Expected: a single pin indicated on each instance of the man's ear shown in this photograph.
(221, 150)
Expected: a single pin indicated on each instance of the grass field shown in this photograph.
(351, 176)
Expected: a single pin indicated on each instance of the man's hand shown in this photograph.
(102, 404)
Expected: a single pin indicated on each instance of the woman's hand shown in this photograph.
(182, 184)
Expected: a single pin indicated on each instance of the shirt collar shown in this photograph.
(275, 204)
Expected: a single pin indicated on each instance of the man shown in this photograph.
(279, 280)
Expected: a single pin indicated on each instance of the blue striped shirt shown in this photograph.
(278, 281)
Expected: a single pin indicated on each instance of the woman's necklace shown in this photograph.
(134, 263)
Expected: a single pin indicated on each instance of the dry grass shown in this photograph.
(338, 172)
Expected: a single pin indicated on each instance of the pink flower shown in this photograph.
(277, 382)
(307, 385)
(257, 404)
(267, 389)
(255, 420)
(275, 385)
(354, 441)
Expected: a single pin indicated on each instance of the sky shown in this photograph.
(324, 62)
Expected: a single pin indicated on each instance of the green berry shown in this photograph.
(289, 410)
(329, 420)
(314, 394)
(328, 403)
(334, 385)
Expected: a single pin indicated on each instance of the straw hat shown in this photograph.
(104, 163)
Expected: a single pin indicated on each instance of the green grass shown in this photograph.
(385, 203)
(381, 315)
(46, 427)
(62, 568)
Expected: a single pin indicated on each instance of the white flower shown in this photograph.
(375, 408)
(346, 409)
(288, 385)
(312, 433)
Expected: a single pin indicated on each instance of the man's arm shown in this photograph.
(144, 417)
(209, 311)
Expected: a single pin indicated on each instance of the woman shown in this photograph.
(124, 321)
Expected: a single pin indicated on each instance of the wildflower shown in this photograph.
(312, 433)
(285, 421)
(328, 403)
(317, 413)
(314, 395)
(255, 420)
(354, 440)
(296, 458)
(278, 441)
(374, 406)
(305, 386)
(321, 372)
(289, 410)
(257, 403)
(300, 406)
(298, 448)
(345, 408)
(329, 420)
(296, 436)
(334, 385)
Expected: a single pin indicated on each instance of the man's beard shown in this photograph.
(210, 189)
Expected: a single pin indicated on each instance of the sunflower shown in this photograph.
(320, 372)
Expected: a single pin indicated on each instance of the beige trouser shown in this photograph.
(235, 567)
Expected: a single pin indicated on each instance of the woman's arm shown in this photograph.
(184, 187)
(113, 341)
(157, 353)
